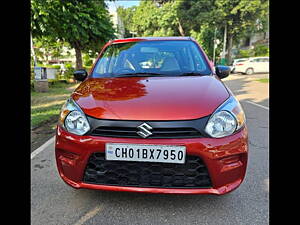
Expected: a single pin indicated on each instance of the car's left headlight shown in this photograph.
(73, 119)
(227, 119)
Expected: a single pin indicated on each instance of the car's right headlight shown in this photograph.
(73, 119)
(226, 120)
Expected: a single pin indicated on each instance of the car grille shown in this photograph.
(192, 174)
(131, 132)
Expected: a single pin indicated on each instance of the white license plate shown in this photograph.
(145, 153)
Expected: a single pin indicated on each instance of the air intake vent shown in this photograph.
(192, 174)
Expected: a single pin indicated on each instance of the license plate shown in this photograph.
(145, 153)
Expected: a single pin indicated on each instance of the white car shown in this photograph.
(235, 62)
(253, 65)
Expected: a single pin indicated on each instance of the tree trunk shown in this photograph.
(224, 42)
(78, 58)
(230, 40)
(181, 31)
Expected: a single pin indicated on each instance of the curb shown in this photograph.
(42, 147)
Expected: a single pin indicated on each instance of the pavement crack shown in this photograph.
(38, 166)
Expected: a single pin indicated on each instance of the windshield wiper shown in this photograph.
(192, 74)
(140, 75)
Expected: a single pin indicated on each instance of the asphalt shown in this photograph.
(54, 202)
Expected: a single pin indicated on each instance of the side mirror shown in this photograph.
(222, 71)
(80, 75)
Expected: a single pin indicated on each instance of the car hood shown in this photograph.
(150, 98)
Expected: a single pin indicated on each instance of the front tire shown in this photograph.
(249, 71)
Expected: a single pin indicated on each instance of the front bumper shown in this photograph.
(225, 159)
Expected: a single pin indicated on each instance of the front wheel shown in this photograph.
(249, 71)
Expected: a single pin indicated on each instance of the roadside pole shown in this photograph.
(224, 46)
(214, 56)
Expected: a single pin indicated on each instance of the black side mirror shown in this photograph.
(80, 75)
(222, 71)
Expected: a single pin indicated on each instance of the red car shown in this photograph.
(152, 116)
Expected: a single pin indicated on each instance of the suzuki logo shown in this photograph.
(144, 130)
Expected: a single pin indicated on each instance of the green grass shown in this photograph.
(264, 80)
(46, 106)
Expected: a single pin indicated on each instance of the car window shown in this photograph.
(166, 57)
(199, 64)
(103, 65)
(255, 60)
(265, 60)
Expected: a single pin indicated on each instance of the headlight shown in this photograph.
(73, 119)
(227, 119)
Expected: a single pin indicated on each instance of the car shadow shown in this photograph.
(237, 85)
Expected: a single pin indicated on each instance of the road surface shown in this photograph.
(53, 202)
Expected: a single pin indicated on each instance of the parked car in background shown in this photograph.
(235, 62)
(253, 65)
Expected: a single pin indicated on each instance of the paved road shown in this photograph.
(248, 88)
(53, 202)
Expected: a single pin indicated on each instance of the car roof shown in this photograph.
(133, 39)
(259, 57)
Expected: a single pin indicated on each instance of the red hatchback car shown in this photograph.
(152, 116)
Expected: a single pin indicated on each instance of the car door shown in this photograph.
(252, 63)
(258, 65)
(265, 65)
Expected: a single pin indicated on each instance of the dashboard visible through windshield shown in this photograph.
(151, 58)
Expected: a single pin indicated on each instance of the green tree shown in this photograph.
(206, 37)
(145, 19)
(87, 60)
(153, 18)
(126, 15)
(53, 48)
(199, 19)
(239, 16)
(44, 47)
(195, 13)
(84, 24)
(261, 50)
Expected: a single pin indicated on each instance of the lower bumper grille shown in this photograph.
(192, 174)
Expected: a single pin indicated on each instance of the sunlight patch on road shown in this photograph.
(249, 89)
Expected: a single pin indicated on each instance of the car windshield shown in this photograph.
(151, 58)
